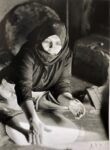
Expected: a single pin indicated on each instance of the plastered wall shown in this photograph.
(7, 5)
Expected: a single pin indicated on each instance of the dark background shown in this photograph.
(86, 18)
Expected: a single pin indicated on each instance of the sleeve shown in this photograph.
(64, 82)
(24, 70)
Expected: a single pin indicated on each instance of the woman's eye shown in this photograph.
(46, 42)
(58, 43)
(50, 44)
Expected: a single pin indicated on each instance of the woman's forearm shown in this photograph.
(28, 108)
(65, 98)
(66, 94)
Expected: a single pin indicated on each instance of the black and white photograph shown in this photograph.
(54, 74)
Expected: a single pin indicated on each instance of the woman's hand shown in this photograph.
(35, 131)
(74, 105)
(34, 121)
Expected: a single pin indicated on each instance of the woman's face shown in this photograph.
(52, 45)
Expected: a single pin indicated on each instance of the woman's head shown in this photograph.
(50, 36)
(50, 41)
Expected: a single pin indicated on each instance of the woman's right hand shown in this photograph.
(35, 131)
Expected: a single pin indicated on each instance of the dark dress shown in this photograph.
(29, 73)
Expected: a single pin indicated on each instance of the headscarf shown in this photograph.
(49, 28)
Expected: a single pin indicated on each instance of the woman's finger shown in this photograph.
(30, 137)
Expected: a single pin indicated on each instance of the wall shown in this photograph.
(79, 12)
(7, 5)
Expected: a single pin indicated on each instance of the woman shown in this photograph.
(44, 64)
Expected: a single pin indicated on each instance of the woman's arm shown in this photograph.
(23, 65)
(23, 88)
(29, 109)
(63, 93)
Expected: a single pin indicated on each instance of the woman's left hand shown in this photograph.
(74, 105)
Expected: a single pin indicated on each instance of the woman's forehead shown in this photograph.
(53, 37)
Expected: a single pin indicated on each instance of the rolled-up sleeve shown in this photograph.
(24, 70)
